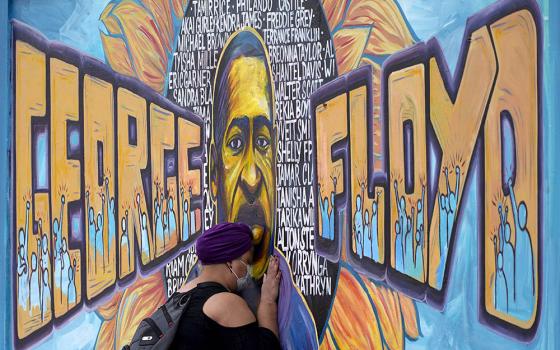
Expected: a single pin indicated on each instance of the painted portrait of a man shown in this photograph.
(242, 149)
(242, 170)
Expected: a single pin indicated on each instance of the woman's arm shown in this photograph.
(267, 312)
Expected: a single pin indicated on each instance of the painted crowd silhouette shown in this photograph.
(513, 278)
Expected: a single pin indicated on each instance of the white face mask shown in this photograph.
(245, 281)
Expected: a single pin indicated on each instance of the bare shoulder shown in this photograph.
(229, 310)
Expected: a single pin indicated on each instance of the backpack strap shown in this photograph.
(167, 315)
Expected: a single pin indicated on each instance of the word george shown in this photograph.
(106, 173)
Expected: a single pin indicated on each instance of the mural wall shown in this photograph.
(392, 154)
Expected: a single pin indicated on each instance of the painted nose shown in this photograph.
(251, 181)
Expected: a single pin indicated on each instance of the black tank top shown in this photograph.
(198, 331)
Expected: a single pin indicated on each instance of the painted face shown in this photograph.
(245, 181)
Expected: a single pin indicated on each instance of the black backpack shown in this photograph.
(158, 331)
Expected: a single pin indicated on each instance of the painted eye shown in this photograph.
(235, 144)
(262, 142)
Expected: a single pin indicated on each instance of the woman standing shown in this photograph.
(218, 318)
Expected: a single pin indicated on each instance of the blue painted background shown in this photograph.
(5, 242)
(75, 22)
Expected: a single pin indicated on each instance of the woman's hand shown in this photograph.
(271, 281)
